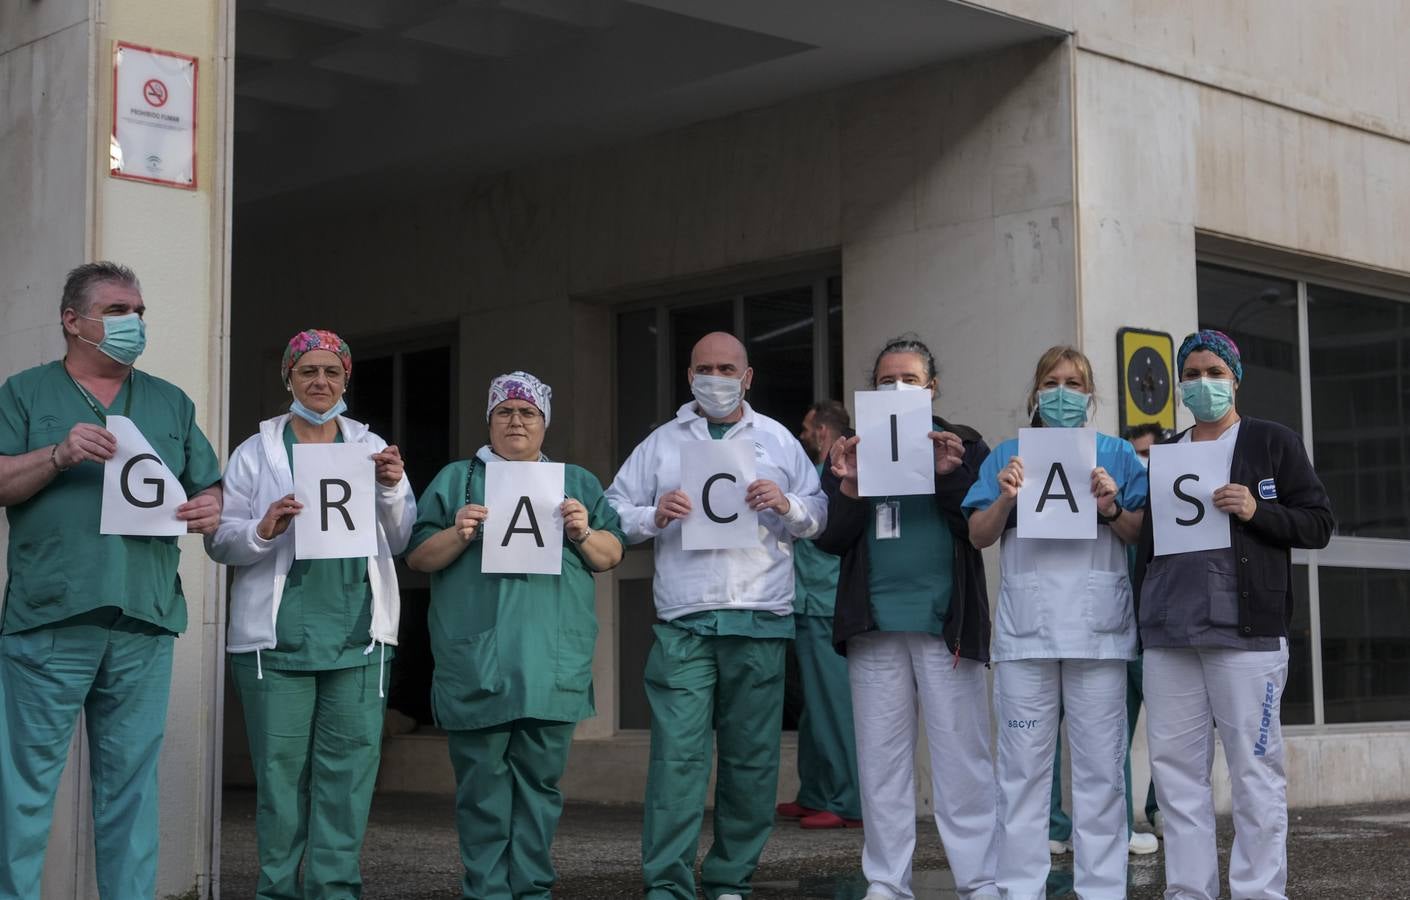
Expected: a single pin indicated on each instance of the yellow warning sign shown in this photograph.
(1147, 388)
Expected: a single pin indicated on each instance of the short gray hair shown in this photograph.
(79, 283)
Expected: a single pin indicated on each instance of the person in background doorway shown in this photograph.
(1214, 624)
(913, 618)
(828, 796)
(303, 633)
(726, 616)
(513, 652)
(1064, 633)
(90, 619)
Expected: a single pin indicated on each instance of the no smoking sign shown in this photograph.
(155, 92)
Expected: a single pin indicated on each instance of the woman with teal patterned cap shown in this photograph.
(513, 652)
(309, 638)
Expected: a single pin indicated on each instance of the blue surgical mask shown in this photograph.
(124, 337)
(1208, 399)
(1063, 407)
(317, 418)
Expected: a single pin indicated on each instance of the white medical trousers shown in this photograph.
(1242, 692)
(1028, 694)
(889, 672)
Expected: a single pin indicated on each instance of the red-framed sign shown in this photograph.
(154, 116)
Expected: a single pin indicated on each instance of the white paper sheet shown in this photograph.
(524, 531)
(714, 475)
(1183, 479)
(894, 455)
(1056, 499)
(336, 483)
(140, 494)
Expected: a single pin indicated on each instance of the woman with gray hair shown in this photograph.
(513, 652)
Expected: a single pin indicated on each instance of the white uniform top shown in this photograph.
(1065, 599)
(257, 475)
(691, 581)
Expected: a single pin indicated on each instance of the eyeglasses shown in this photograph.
(526, 414)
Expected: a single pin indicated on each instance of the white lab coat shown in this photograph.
(698, 580)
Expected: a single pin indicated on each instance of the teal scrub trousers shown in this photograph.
(827, 740)
(315, 744)
(695, 683)
(507, 806)
(117, 670)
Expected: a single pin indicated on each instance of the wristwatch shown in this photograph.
(579, 541)
(1111, 518)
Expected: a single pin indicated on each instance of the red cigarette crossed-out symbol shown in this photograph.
(154, 92)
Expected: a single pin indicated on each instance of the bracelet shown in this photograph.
(54, 458)
(586, 534)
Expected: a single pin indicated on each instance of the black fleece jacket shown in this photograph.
(1292, 511)
(967, 626)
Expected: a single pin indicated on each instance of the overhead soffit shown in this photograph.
(331, 92)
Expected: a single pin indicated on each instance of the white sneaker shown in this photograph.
(1143, 843)
(1158, 823)
(729, 897)
(1058, 848)
(877, 895)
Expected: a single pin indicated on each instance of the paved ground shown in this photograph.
(1360, 852)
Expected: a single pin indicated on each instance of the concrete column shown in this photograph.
(63, 209)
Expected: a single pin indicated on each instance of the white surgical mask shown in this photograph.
(716, 395)
(899, 386)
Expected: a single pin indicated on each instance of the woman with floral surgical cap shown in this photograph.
(309, 638)
(513, 652)
(1215, 624)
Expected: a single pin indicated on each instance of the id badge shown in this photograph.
(888, 520)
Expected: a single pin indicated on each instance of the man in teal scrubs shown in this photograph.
(827, 746)
(726, 615)
(89, 619)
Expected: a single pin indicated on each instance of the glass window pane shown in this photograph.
(688, 325)
(1260, 313)
(1365, 644)
(369, 394)
(778, 329)
(1297, 696)
(1360, 360)
(636, 378)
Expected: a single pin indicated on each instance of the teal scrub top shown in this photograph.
(60, 566)
(325, 612)
(911, 577)
(814, 578)
(510, 646)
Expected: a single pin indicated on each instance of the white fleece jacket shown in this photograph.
(257, 475)
(690, 581)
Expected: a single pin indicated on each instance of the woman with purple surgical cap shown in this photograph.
(513, 652)
(1214, 624)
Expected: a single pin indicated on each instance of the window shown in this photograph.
(792, 329)
(1333, 362)
(405, 391)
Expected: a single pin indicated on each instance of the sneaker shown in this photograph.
(1143, 842)
(795, 811)
(1158, 823)
(828, 820)
(1058, 848)
(728, 897)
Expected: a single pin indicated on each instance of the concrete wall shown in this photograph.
(61, 209)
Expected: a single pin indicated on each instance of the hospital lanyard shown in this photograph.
(93, 403)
